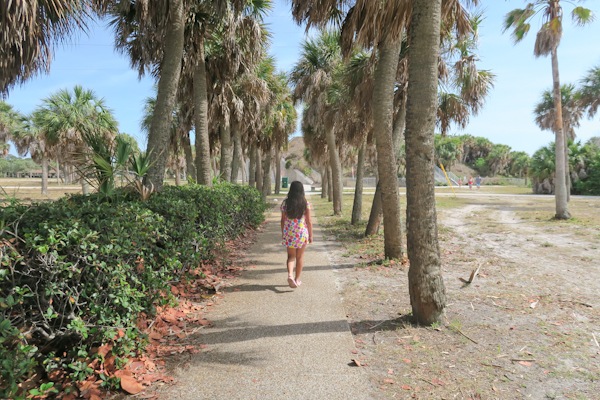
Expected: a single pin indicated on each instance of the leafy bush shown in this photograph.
(75, 272)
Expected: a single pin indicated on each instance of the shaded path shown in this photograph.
(269, 341)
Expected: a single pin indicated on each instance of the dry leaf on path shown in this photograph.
(131, 385)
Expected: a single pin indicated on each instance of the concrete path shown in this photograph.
(269, 341)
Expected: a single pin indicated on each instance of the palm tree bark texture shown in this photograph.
(383, 100)
(426, 285)
(158, 137)
(202, 144)
(560, 183)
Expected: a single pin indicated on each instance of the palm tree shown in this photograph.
(546, 43)
(29, 29)
(520, 163)
(464, 86)
(152, 34)
(426, 285)
(65, 117)
(572, 112)
(207, 20)
(9, 119)
(313, 76)
(282, 121)
(29, 138)
(589, 93)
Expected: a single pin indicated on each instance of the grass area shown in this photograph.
(352, 236)
(29, 189)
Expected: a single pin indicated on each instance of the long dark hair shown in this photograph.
(295, 204)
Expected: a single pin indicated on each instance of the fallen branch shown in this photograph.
(461, 332)
(523, 359)
(473, 275)
(431, 383)
(495, 366)
(501, 306)
(596, 341)
(576, 302)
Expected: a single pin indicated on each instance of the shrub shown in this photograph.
(75, 272)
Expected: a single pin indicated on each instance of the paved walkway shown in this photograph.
(269, 341)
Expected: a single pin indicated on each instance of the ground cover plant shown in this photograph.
(82, 278)
(525, 327)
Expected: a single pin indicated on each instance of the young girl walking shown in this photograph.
(296, 230)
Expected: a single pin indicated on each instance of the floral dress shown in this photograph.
(295, 231)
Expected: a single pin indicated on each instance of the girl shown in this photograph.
(296, 230)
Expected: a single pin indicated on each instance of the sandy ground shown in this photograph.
(528, 326)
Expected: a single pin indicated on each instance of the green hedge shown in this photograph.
(74, 271)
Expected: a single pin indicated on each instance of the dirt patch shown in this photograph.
(527, 327)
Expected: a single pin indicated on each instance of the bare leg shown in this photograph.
(299, 263)
(291, 261)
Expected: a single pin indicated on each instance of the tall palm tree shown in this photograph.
(572, 112)
(29, 29)
(589, 93)
(152, 34)
(253, 94)
(234, 48)
(65, 117)
(30, 139)
(283, 118)
(426, 286)
(546, 43)
(313, 76)
(206, 20)
(464, 86)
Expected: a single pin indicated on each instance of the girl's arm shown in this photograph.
(282, 221)
(308, 224)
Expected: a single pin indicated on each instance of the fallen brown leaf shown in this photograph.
(131, 385)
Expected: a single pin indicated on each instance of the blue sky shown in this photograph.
(91, 61)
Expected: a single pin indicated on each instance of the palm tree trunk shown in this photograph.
(277, 170)
(358, 190)
(189, 158)
(57, 171)
(324, 183)
(336, 171)
(215, 168)
(426, 285)
(201, 121)
(259, 170)
(383, 101)
(44, 175)
(375, 217)
(243, 164)
(560, 184)
(158, 137)
(266, 186)
(237, 152)
(252, 165)
(177, 176)
(329, 185)
(225, 136)
(567, 169)
(376, 214)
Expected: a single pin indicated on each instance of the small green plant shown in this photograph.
(45, 389)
